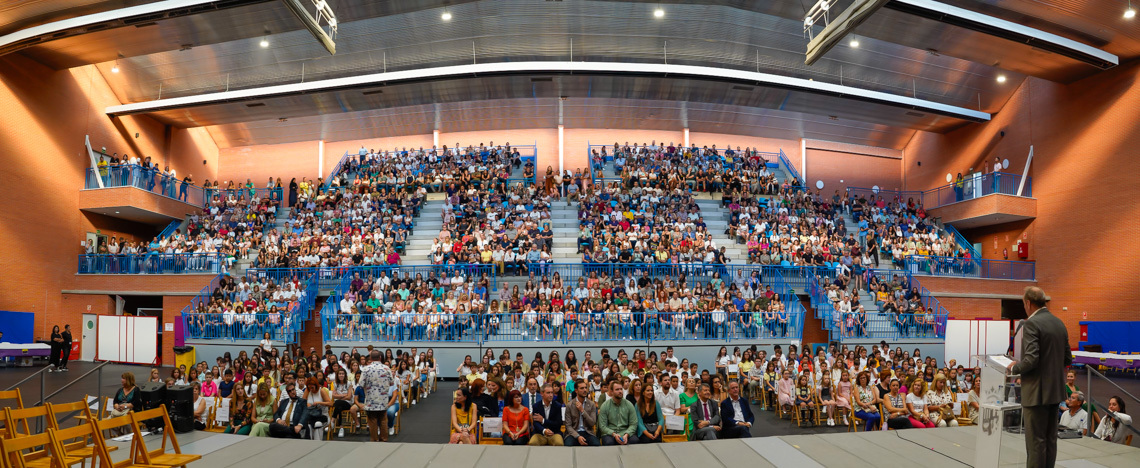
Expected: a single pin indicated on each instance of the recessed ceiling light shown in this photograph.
(1129, 13)
(115, 68)
(854, 43)
(116, 212)
(659, 13)
(446, 16)
(1001, 78)
(264, 43)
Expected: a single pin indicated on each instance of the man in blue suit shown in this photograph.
(735, 414)
(547, 415)
(530, 396)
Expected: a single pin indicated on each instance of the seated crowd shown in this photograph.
(259, 389)
(438, 168)
(553, 401)
(383, 307)
(507, 228)
(700, 169)
(644, 225)
(247, 309)
(600, 307)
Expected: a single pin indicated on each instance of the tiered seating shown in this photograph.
(507, 229)
(247, 310)
(643, 225)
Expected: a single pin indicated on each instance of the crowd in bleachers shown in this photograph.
(437, 169)
(644, 224)
(700, 169)
(382, 307)
(507, 228)
(247, 309)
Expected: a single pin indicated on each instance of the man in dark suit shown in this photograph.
(289, 419)
(547, 419)
(735, 414)
(705, 415)
(581, 417)
(1045, 354)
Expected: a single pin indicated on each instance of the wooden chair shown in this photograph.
(963, 415)
(20, 452)
(481, 436)
(75, 446)
(798, 413)
(10, 395)
(64, 457)
(215, 422)
(16, 420)
(101, 448)
(682, 437)
(160, 457)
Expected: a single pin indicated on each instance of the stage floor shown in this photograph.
(926, 448)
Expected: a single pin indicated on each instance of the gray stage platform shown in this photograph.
(926, 448)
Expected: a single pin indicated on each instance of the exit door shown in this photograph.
(87, 342)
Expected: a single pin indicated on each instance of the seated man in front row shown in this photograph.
(581, 416)
(617, 418)
(547, 419)
(290, 417)
(735, 414)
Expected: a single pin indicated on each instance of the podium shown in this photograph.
(999, 398)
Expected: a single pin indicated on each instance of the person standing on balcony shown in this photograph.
(186, 183)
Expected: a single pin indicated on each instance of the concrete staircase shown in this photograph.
(716, 218)
(564, 222)
(427, 226)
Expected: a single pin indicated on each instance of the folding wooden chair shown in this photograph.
(483, 440)
(64, 457)
(212, 422)
(160, 457)
(682, 437)
(16, 420)
(102, 451)
(21, 452)
(74, 446)
(19, 404)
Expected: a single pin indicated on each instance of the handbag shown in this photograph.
(651, 427)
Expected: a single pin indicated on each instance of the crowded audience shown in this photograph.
(507, 228)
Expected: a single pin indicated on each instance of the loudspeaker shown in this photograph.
(180, 406)
(152, 394)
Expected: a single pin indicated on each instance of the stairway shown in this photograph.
(564, 222)
(716, 218)
(427, 226)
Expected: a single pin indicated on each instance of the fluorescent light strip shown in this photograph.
(706, 73)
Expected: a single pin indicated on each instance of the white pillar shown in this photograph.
(803, 160)
(321, 158)
(435, 138)
(561, 148)
(685, 137)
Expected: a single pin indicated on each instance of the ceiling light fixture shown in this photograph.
(115, 68)
(854, 43)
(1130, 12)
(446, 16)
(264, 43)
(658, 13)
(1001, 78)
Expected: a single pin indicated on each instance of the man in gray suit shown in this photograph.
(1044, 356)
(581, 416)
(705, 415)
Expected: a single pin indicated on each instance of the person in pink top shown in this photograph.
(785, 389)
(843, 396)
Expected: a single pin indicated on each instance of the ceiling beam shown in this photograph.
(516, 68)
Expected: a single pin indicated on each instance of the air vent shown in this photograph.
(541, 80)
(143, 25)
(255, 104)
(375, 91)
(915, 114)
(743, 88)
(185, 47)
(282, 119)
(833, 117)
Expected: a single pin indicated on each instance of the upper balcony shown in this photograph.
(977, 200)
(142, 195)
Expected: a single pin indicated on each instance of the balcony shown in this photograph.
(136, 194)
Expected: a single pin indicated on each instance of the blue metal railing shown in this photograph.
(974, 186)
(151, 180)
(563, 327)
(156, 263)
(879, 325)
(970, 268)
(963, 243)
(787, 164)
(169, 229)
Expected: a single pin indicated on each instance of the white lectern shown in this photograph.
(997, 398)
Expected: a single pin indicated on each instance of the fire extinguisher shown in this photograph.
(1005, 254)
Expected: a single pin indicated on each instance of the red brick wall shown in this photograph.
(1002, 236)
(854, 170)
(171, 313)
(46, 115)
(1085, 138)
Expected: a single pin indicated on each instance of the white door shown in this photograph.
(87, 344)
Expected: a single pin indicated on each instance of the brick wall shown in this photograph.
(46, 115)
(1085, 138)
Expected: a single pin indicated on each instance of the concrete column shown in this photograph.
(561, 149)
(435, 138)
(320, 158)
(685, 137)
